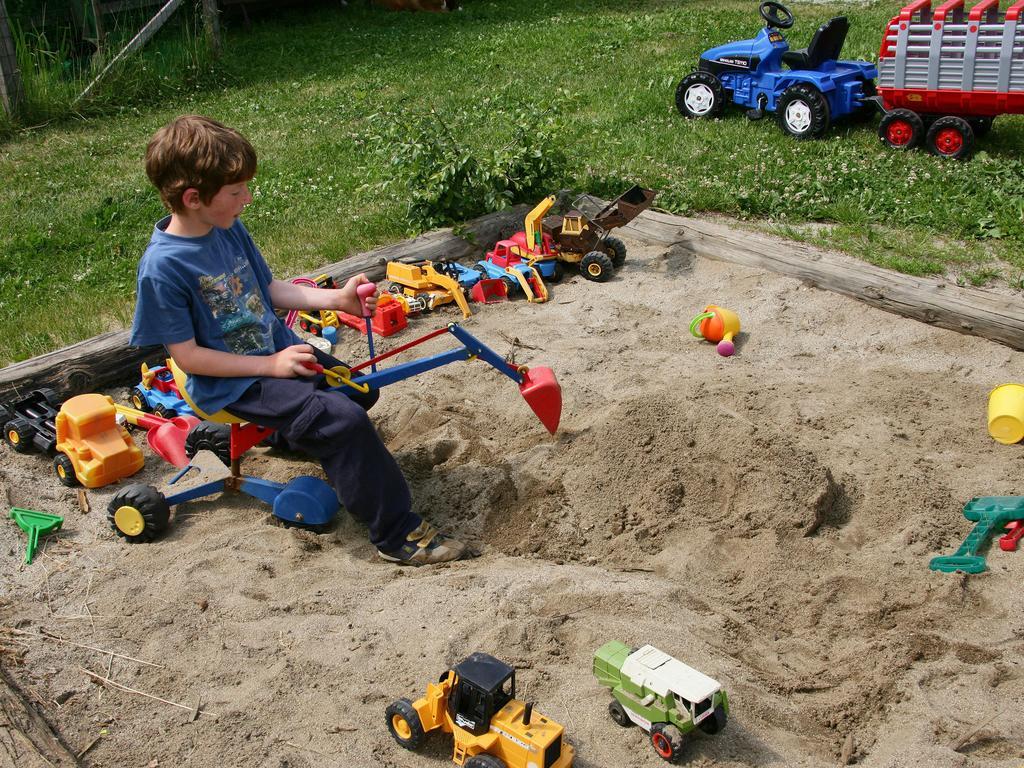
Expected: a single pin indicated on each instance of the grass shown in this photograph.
(312, 88)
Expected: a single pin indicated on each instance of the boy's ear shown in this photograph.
(190, 198)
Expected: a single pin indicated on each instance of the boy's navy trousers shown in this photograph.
(335, 429)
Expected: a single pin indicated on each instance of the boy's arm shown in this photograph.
(286, 364)
(285, 295)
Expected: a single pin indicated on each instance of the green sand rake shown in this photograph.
(35, 524)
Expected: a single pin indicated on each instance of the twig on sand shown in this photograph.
(307, 749)
(960, 743)
(104, 651)
(88, 746)
(113, 684)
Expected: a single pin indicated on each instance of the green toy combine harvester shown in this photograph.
(662, 695)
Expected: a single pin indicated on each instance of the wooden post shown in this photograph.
(10, 75)
(211, 21)
(101, 30)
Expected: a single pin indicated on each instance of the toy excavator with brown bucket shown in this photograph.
(475, 701)
(580, 235)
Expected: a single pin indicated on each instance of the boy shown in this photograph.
(207, 295)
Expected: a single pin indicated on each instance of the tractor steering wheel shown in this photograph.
(770, 13)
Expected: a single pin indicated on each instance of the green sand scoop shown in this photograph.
(35, 524)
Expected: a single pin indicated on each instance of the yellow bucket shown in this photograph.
(1006, 413)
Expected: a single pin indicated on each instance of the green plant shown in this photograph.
(445, 179)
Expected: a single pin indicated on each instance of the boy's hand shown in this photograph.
(293, 361)
(347, 300)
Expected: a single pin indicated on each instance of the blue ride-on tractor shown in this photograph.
(807, 89)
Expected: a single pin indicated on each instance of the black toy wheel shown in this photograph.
(139, 401)
(950, 137)
(484, 761)
(404, 724)
(138, 513)
(803, 112)
(901, 129)
(304, 325)
(618, 714)
(699, 94)
(557, 273)
(65, 470)
(616, 250)
(770, 13)
(714, 722)
(164, 412)
(210, 436)
(667, 741)
(597, 266)
(981, 126)
(19, 433)
(50, 397)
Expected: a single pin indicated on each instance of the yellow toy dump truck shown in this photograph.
(475, 701)
(92, 448)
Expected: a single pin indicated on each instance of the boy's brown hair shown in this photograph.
(196, 151)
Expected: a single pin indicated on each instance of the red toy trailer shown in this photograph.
(944, 74)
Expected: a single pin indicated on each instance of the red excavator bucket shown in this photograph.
(542, 393)
(489, 291)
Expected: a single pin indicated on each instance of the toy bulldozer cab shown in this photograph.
(588, 220)
(475, 702)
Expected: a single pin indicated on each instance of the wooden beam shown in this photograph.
(10, 75)
(107, 360)
(135, 43)
(25, 737)
(930, 300)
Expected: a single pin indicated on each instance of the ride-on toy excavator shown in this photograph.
(475, 701)
(139, 513)
(807, 89)
(580, 235)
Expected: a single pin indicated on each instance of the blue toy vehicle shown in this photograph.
(157, 393)
(813, 89)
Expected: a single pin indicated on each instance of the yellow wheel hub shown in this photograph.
(401, 727)
(13, 437)
(594, 270)
(61, 473)
(137, 402)
(129, 521)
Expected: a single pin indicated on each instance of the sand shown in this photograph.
(767, 519)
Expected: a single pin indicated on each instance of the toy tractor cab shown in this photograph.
(475, 702)
(807, 89)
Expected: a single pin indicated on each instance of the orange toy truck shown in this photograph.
(92, 448)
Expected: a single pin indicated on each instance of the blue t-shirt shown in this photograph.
(216, 289)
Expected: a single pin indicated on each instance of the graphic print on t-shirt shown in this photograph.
(237, 305)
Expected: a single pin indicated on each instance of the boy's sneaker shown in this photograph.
(425, 545)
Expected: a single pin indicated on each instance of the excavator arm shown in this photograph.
(534, 236)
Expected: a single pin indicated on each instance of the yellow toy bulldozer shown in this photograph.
(475, 701)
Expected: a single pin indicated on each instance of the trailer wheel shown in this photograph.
(950, 137)
(803, 112)
(981, 126)
(699, 94)
(901, 129)
(404, 724)
(667, 741)
(19, 433)
(618, 714)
